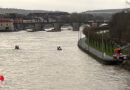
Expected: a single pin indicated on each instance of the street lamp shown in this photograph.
(103, 54)
(79, 35)
(88, 40)
(102, 46)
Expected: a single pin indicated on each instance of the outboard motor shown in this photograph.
(17, 47)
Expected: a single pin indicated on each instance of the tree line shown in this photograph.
(80, 17)
(99, 40)
(119, 33)
(120, 27)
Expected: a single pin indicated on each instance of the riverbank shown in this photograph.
(126, 65)
(101, 57)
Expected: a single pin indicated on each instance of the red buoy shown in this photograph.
(1, 78)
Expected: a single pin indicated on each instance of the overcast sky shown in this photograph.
(63, 5)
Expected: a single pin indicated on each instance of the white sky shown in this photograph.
(63, 5)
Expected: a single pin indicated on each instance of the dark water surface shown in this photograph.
(39, 66)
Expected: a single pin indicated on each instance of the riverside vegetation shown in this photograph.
(111, 36)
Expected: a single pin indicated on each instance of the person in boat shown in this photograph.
(59, 48)
(17, 47)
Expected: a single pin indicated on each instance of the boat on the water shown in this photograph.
(17, 47)
(29, 30)
(59, 48)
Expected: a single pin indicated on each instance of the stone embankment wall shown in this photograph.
(99, 56)
(102, 57)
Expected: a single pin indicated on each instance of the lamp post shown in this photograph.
(79, 34)
(103, 45)
(88, 40)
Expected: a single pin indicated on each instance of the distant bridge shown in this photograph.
(57, 25)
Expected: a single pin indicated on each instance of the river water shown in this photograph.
(39, 66)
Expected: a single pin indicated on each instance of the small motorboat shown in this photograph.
(17, 47)
(59, 48)
(29, 30)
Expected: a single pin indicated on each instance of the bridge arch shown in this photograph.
(67, 26)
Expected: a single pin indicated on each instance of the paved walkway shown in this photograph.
(97, 53)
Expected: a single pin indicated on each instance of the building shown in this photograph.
(18, 20)
(6, 24)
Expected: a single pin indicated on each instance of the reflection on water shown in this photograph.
(39, 66)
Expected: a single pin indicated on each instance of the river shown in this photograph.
(39, 66)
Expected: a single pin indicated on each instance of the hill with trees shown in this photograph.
(106, 14)
(22, 11)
